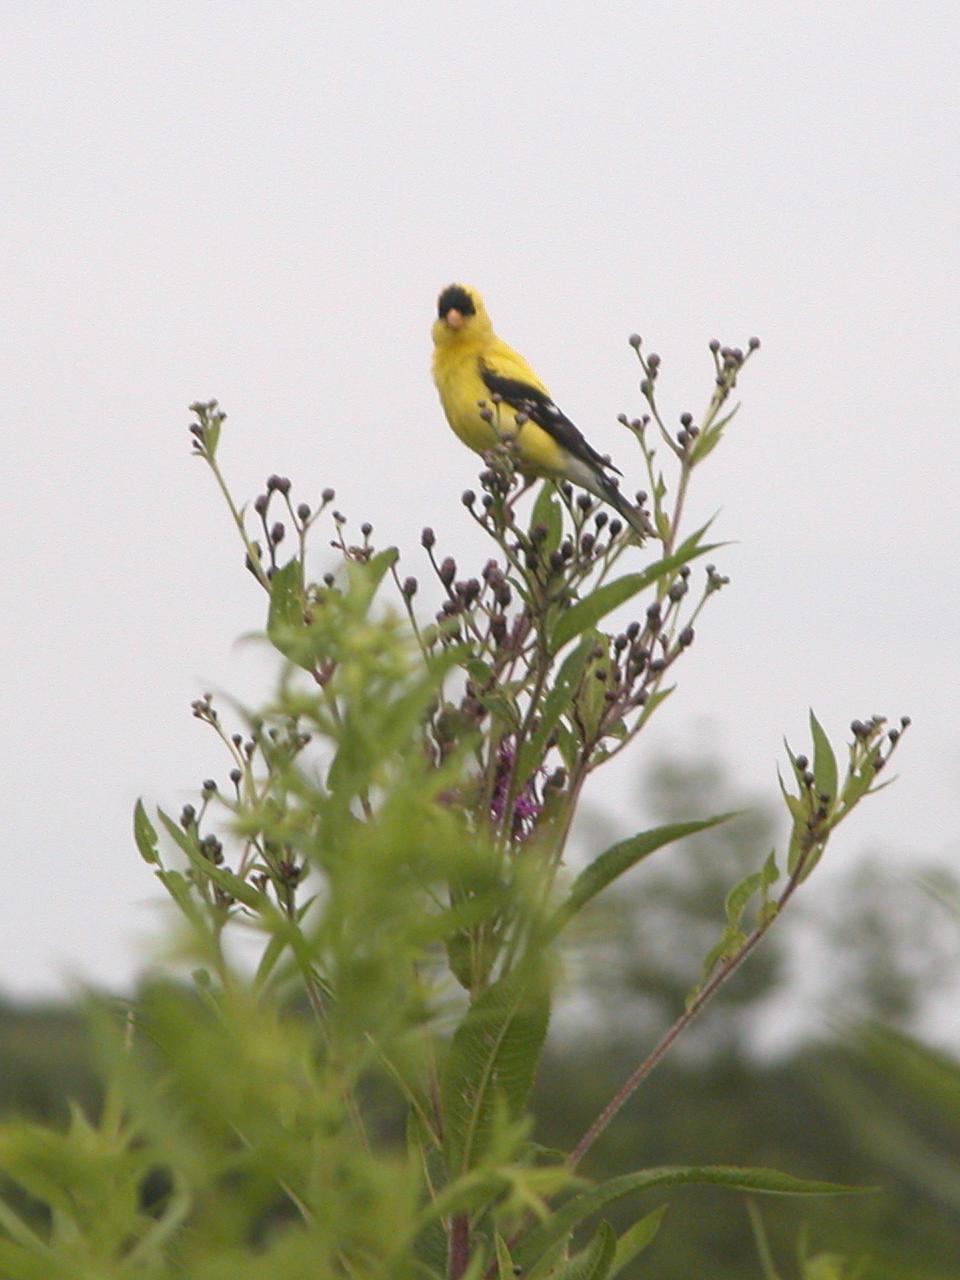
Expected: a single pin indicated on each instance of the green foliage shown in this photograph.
(586, 1203)
(390, 848)
(619, 858)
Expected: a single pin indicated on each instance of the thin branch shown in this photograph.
(459, 1245)
(725, 971)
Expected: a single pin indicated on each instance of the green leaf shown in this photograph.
(858, 784)
(417, 1100)
(18, 1230)
(795, 804)
(921, 1071)
(635, 1239)
(762, 1243)
(175, 1213)
(558, 701)
(502, 707)
(568, 745)
(547, 1262)
(653, 702)
(211, 436)
(771, 872)
(731, 940)
(231, 884)
(176, 833)
(180, 891)
(825, 1266)
(364, 579)
(494, 1053)
(620, 858)
(268, 960)
(586, 1203)
(224, 879)
(547, 512)
(285, 624)
(736, 900)
(797, 771)
(505, 1269)
(478, 671)
(145, 835)
(705, 443)
(430, 1243)
(588, 611)
(824, 761)
(793, 851)
(593, 1262)
(590, 703)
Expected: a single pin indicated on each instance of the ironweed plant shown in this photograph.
(389, 830)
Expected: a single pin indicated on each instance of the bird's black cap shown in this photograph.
(455, 298)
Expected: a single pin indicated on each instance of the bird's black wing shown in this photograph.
(539, 408)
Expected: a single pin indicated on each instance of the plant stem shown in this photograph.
(459, 1246)
(238, 521)
(671, 537)
(726, 970)
(763, 1245)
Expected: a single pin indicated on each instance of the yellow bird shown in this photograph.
(471, 365)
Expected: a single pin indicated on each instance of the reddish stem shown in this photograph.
(719, 978)
(459, 1245)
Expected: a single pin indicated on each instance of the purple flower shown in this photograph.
(526, 805)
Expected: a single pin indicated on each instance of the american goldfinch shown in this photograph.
(471, 365)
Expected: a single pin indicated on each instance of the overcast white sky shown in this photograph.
(260, 202)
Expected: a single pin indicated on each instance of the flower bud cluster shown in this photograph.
(264, 753)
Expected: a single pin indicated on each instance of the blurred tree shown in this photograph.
(893, 949)
(643, 947)
(46, 1061)
(882, 948)
(887, 950)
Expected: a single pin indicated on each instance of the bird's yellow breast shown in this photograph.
(462, 389)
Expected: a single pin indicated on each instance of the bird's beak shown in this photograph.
(454, 319)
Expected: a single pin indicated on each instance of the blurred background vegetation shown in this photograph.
(832, 1055)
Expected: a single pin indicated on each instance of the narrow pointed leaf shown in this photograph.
(268, 960)
(558, 701)
(430, 1243)
(179, 890)
(18, 1230)
(588, 611)
(824, 761)
(418, 1102)
(285, 624)
(220, 876)
(620, 858)
(635, 1239)
(546, 512)
(594, 1199)
(365, 579)
(177, 1208)
(145, 834)
(736, 900)
(708, 440)
(211, 436)
(653, 702)
(593, 1262)
(858, 784)
(494, 1054)
(505, 1269)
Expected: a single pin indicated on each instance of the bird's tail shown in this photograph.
(636, 517)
